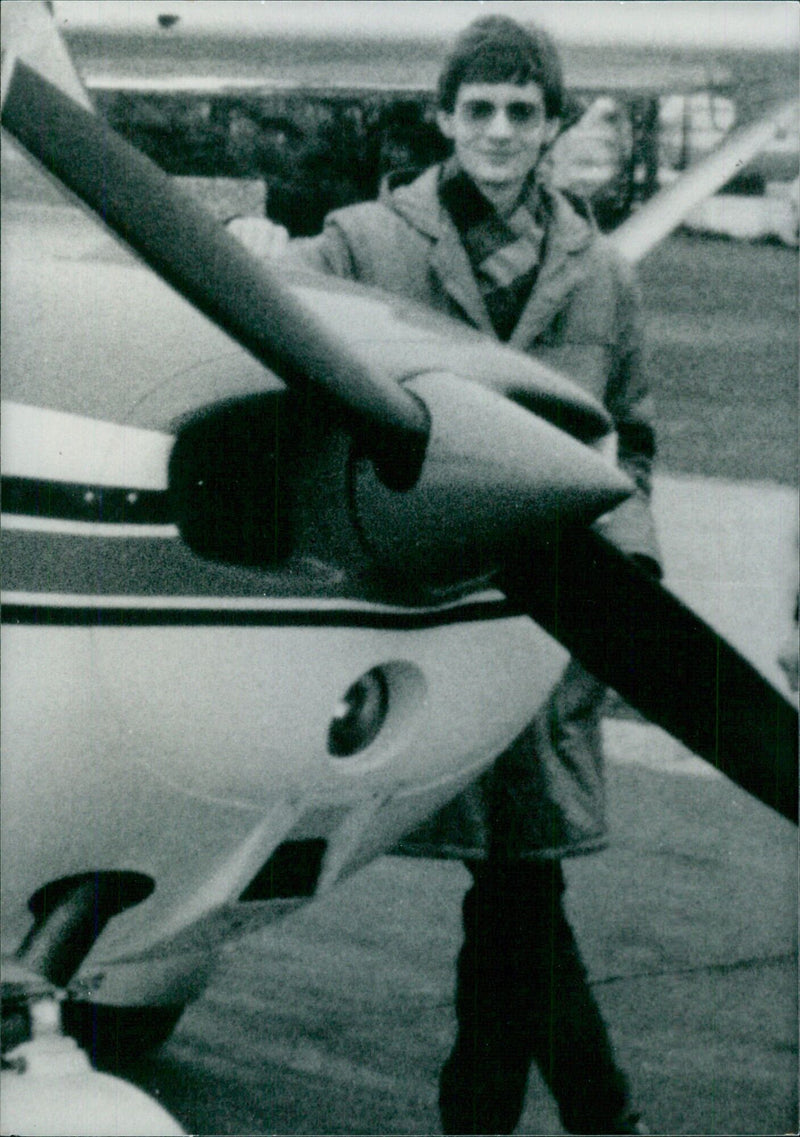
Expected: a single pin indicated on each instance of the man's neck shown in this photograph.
(503, 197)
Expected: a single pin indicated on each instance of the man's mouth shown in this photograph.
(498, 155)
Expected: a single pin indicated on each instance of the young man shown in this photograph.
(484, 238)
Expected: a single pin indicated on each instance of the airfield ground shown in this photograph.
(336, 1021)
(723, 357)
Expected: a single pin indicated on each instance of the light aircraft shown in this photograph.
(286, 564)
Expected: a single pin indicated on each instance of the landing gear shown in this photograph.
(114, 1037)
(48, 1083)
(69, 915)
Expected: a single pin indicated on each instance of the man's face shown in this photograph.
(498, 131)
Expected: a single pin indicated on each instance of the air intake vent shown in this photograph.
(292, 870)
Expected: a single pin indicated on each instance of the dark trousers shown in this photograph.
(522, 996)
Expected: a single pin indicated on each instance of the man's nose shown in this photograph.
(499, 125)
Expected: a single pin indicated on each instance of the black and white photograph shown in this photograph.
(400, 523)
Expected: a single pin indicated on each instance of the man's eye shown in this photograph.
(523, 114)
(479, 111)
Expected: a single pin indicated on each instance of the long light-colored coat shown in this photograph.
(545, 795)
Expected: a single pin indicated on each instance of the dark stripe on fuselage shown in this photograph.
(70, 501)
(49, 615)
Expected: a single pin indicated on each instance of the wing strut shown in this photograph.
(643, 230)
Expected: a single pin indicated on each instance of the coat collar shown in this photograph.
(418, 203)
(568, 233)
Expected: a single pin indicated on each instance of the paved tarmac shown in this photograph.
(337, 1020)
(731, 552)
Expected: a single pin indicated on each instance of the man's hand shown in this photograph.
(260, 236)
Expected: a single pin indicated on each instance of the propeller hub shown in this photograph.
(494, 475)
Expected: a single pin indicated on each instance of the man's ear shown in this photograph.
(445, 123)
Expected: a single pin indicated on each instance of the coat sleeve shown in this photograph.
(370, 243)
(627, 398)
(328, 252)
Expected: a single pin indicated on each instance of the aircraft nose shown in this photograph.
(494, 475)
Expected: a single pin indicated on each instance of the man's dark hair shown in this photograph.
(496, 49)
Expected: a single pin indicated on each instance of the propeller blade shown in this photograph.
(634, 635)
(177, 237)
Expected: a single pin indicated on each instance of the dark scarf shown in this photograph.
(505, 253)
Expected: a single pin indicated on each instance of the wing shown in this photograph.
(605, 48)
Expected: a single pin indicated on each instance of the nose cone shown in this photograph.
(494, 475)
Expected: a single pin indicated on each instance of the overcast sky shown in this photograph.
(749, 23)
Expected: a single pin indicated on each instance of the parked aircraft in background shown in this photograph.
(270, 597)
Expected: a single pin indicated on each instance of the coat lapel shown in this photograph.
(450, 263)
(419, 204)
